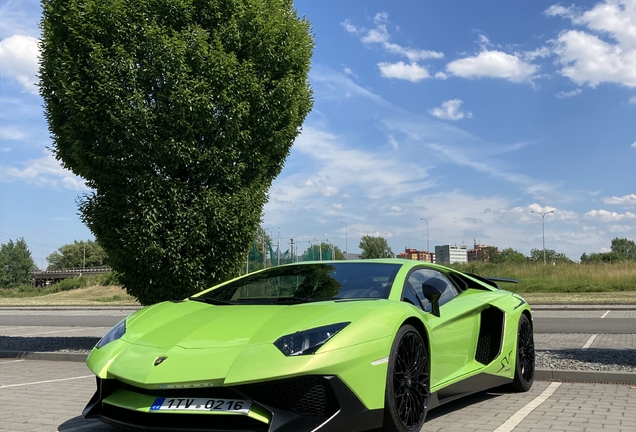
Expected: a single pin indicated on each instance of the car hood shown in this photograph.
(202, 343)
(196, 325)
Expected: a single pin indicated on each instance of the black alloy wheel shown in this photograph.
(408, 382)
(525, 362)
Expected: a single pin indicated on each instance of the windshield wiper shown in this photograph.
(210, 301)
(293, 299)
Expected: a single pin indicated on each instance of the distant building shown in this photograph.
(414, 254)
(450, 254)
(352, 256)
(476, 253)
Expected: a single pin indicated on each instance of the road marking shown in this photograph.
(605, 314)
(589, 341)
(55, 331)
(12, 361)
(524, 412)
(45, 382)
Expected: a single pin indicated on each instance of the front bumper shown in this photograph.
(307, 403)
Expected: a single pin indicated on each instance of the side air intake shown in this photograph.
(490, 335)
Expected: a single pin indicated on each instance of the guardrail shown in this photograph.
(73, 270)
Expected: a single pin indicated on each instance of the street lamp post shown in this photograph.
(346, 240)
(428, 248)
(543, 229)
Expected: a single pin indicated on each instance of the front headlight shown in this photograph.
(113, 334)
(308, 341)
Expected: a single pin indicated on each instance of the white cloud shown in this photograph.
(632, 100)
(400, 70)
(381, 17)
(377, 35)
(349, 27)
(329, 191)
(450, 110)
(19, 60)
(606, 51)
(558, 10)
(44, 172)
(634, 144)
(13, 134)
(380, 35)
(607, 216)
(336, 206)
(410, 53)
(539, 52)
(396, 209)
(348, 71)
(441, 75)
(565, 95)
(394, 143)
(493, 64)
(625, 200)
(620, 228)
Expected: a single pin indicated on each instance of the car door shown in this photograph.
(454, 333)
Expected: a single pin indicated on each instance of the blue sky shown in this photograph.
(466, 114)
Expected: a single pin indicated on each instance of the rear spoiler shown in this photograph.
(492, 281)
(499, 279)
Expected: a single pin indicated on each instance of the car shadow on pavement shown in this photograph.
(79, 423)
(460, 404)
(47, 344)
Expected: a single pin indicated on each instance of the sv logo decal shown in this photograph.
(505, 363)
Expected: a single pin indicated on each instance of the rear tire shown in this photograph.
(408, 383)
(525, 362)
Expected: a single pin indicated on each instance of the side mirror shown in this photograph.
(432, 290)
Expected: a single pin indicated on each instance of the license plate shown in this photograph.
(201, 404)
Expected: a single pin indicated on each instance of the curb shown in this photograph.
(48, 356)
(585, 376)
(582, 307)
(539, 375)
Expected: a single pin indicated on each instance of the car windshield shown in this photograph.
(299, 283)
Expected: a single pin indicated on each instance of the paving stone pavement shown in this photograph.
(41, 396)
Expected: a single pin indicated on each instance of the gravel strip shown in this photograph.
(48, 344)
(587, 360)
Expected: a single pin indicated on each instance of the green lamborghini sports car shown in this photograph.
(316, 346)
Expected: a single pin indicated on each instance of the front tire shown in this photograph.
(525, 361)
(408, 383)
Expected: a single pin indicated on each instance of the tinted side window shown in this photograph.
(418, 277)
(410, 297)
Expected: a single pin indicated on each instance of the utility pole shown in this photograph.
(346, 240)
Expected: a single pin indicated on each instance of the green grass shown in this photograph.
(563, 278)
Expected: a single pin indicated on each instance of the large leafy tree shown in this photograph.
(375, 247)
(78, 254)
(16, 264)
(178, 114)
(625, 247)
(510, 255)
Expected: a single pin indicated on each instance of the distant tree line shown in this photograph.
(621, 249)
